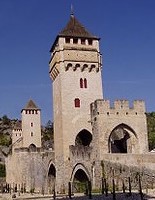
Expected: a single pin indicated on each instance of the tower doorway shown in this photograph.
(79, 179)
(51, 178)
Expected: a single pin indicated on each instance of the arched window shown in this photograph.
(69, 65)
(85, 83)
(81, 83)
(77, 65)
(77, 102)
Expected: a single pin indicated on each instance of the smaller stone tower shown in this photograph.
(31, 125)
(17, 135)
(27, 163)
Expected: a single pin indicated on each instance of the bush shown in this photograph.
(2, 170)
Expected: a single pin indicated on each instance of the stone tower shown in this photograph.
(31, 125)
(75, 68)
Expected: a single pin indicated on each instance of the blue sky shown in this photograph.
(29, 27)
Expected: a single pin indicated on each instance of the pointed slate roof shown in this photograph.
(75, 29)
(31, 105)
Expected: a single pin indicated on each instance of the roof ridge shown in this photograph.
(31, 105)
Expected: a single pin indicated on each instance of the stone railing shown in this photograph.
(80, 152)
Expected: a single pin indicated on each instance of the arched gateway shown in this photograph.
(51, 178)
(79, 178)
(122, 139)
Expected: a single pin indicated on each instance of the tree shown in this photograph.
(2, 170)
(47, 135)
(151, 129)
(6, 120)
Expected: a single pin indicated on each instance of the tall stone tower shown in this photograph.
(31, 125)
(75, 68)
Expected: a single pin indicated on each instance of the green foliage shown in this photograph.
(96, 191)
(80, 186)
(2, 170)
(151, 129)
(47, 133)
(5, 140)
(6, 120)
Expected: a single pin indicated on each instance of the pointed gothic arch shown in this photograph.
(79, 178)
(122, 139)
(51, 178)
(84, 137)
(32, 147)
(69, 65)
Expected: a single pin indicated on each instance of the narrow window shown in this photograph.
(36, 112)
(29, 111)
(67, 40)
(77, 102)
(82, 41)
(75, 40)
(31, 134)
(85, 83)
(31, 124)
(81, 83)
(90, 41)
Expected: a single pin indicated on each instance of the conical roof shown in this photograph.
(75, 29)
(31, 105)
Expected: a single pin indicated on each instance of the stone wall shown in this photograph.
(29, 169)
(122, 172)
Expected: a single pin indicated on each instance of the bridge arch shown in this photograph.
(79, 178)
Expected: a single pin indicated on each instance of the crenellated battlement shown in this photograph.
(118, 107)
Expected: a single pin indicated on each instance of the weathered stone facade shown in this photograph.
(87, 129)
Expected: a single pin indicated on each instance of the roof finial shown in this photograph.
(72, 11)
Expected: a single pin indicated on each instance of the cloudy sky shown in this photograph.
(29, 27)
